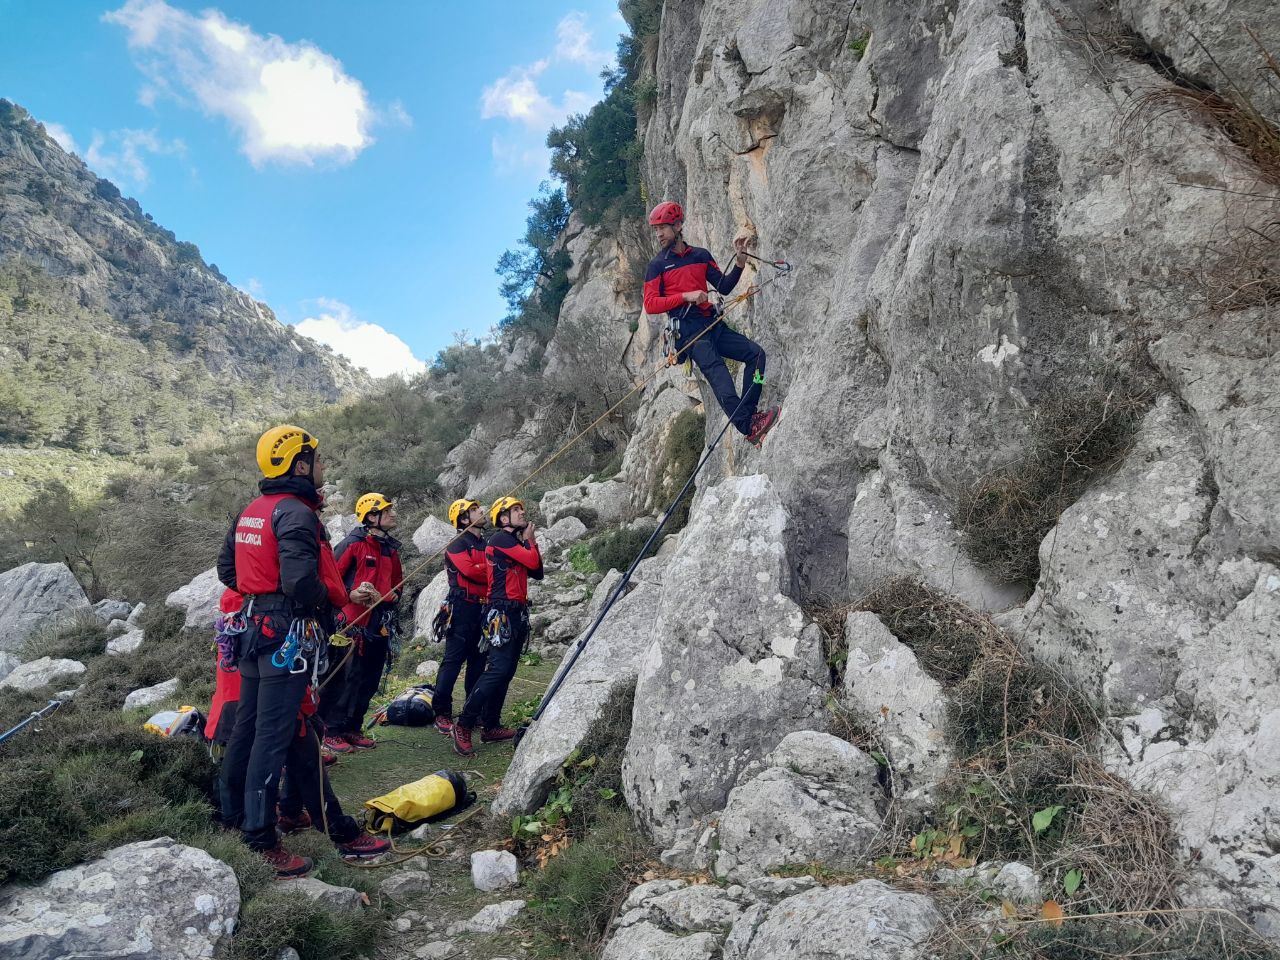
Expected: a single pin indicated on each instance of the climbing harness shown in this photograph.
(303, 648)
(572, 658)
(44, 711)
(227, 631)
(496, 632)
(442, 621)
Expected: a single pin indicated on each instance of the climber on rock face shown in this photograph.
(676, 284)
(468, 573)
(513, 557)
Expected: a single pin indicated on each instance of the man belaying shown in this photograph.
(369, 562)
(676, 284)
(277, 556)
(513, 556)
(468, 572)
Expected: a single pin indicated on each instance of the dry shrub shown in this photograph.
(1080, 431)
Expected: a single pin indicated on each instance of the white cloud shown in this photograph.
(289, 102)
(573, 43)
(367, 345)
(512, 157)
(121, 155)
(61, 136)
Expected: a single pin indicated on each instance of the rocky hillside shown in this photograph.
(114, 334)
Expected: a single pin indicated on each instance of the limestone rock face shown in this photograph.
(601, 502)
(815, 802)
(432, 536)
(199, 599)
(36, 595)
(612, 659)
(152, 900)
(732, 668)
(427, 605)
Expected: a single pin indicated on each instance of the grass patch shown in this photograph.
(683, 448)
(1079, 433)
(276, 920)
(581, 560)
(78, 638)
(617, 549)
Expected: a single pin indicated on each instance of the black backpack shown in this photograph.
(410, 709)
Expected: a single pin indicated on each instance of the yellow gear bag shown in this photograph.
(435, 796)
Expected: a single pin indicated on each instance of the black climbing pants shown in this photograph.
(306, 786)
(266, 726)
(485, 701)
(345, 700)
(722, 343)
(461, 649)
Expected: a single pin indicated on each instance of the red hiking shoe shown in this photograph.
(287, 865)
(444, 725)
(364, 847)
(359, 741)
(761, 422)
(497, 734)
(462, 740)
(337, 744)
(294, 824)
(327, 758)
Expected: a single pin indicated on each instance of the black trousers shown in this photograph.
(485, 701)
(306, 786)
(345, 699)
(266, 726)
(461, 649)
(710, 353)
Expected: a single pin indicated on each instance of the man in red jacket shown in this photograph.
(276, 555)
(468, 572)
(369, 562)
(676, 284)
(513, 557)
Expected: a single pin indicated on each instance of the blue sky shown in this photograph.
(357, 166)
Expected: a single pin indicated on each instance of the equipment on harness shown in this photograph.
(434, 797)
(183, 722)
(497, 631)
(304, 640)
(227, 630)
(409, 709)
(443, 620)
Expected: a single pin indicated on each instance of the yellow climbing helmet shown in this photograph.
(459, 510)
(278, 447)
(371, 503)
(501, 505)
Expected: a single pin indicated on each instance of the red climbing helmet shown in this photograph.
(666, 212)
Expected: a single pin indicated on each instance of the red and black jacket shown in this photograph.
(511, 563)
(671, 275)
(278, 551)
(467, 568)
(364, 558)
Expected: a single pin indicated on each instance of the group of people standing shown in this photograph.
(306, 632)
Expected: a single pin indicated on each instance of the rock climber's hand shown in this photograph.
(695, 296)
(529, 530)
(366, 594)
(740, 245)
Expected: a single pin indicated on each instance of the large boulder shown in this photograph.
(36, 595)
(108, 610)
(817, 801)
(427, 605)
(732, 668)
(334, 899)
(339, 525)
(152, 900)
(561, 533)
(200, 599)
(148, 696)
(887, 690)
(611, 660)
(127, 642)
(432, 536)
(41, 673)
(671, 920)
(595, 502)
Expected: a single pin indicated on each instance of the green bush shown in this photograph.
(580, 559)
(617, 549)
(680, 454)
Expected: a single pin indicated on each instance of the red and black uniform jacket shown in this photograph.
(278, 552)
(364, 558)
(467, 568)
(671, 275)
(511, 563)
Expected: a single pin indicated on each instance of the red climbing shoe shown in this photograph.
(497, 734)
(462, 741)
(296, 824)
(445, 726)
(328, 758)
(359, 741)
(364, 847)
(761, 423)
(337, 744)
(287, 865)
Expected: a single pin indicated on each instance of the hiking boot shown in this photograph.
(364, 847)
(462, 740)
(359, 741)
(328, 758)
(760, 424)
(287, 865)
(337, 744)
(444, 725)
(497, 734)
(296, 824)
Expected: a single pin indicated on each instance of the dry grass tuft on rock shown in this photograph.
(1079, 433)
